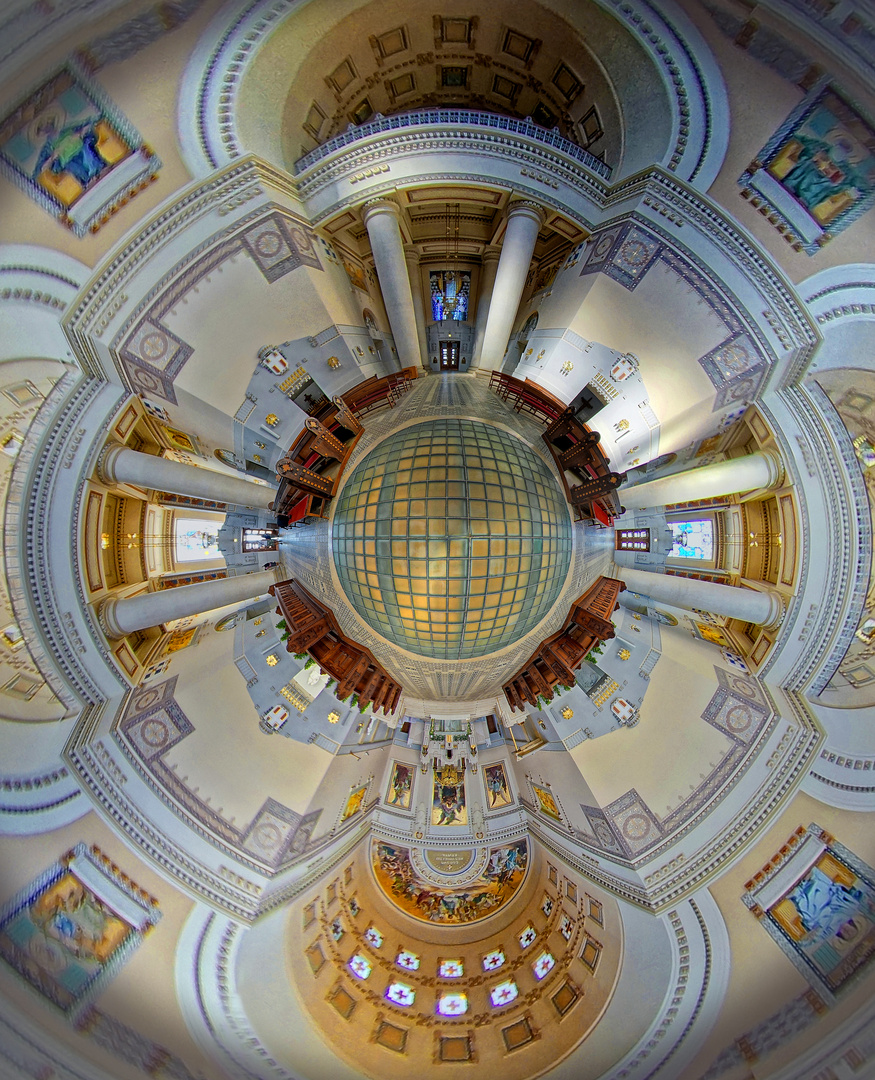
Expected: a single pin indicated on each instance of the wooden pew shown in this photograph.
(557, 657)
(313, 629)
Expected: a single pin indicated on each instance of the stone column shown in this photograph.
(120, 465)
(524, 219)
(487, 284)
(122, 615)
(381, 220)
(760, 470)
(419, 309)
(764, 608)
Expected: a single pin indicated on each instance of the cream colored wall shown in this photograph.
(142, 994)
(226, 757)
(762, 978)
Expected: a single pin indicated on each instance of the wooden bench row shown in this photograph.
(314, 630)
(330, 434)
(558, 656)
(577, 451)
(526, 397)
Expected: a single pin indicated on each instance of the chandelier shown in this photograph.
(451, 279)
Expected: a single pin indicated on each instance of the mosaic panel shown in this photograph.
(72, 151)
(69, 932)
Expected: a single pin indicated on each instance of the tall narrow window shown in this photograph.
(196, 540)
(633, 539)
(692, 540)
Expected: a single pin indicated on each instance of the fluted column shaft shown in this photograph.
(122, 615)
(384, 232)
(760, 470)
(120, 465)
(419, 311)
(523, 223)
(764, 608)
(487, 285)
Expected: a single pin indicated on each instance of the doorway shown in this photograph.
(449, 355)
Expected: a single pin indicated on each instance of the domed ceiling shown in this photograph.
(451, 539)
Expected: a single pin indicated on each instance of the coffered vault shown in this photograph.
(227, 233)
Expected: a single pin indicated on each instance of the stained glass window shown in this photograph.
(196, 540)
(400, 993)
(493, 960)
(503, 994)
(452, 1004)
(692, 540)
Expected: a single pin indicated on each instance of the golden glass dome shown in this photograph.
(452, 539)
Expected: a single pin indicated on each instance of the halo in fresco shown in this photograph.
(504, 872)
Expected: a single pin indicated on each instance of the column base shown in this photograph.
(106, 618)
(777, 611)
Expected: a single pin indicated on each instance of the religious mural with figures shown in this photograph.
(817, 172)
(73, 151)
(453, 904)
(69, 932)
(824, 919)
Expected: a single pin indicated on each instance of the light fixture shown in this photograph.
(451, 281)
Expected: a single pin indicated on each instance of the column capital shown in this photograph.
(411, 254)
(382, 205)
(529, 208)
(491, 254)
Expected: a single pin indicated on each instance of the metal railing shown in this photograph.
(464, 117)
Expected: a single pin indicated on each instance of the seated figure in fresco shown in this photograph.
(73, 149)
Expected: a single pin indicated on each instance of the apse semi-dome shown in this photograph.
(452, 539)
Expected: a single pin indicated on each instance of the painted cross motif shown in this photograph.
(408, 960)
(400, 993)
(360, 966)
(503, 994)
(543, 965)
(493, 960)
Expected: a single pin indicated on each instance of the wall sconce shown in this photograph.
(333, 717)
(566, 367)
(333, 362)
(567, 713)
(271, 419)
(271, 660)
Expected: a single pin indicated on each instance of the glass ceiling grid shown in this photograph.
(451, 539)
